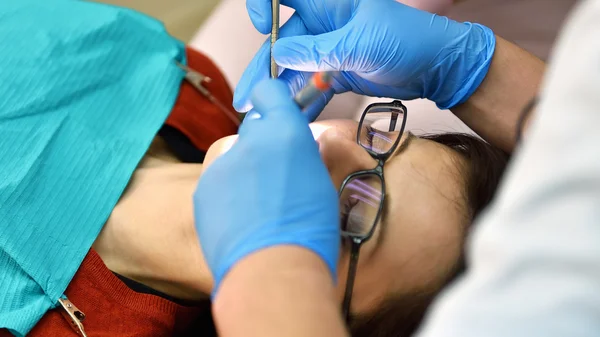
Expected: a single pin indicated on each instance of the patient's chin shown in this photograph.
(217, 149)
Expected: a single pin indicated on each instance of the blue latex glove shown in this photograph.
(382, 48)
(271, 188)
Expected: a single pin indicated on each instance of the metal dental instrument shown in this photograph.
(74, 316)
(195, 78)
(274, 35)
(318, 84)
(198, 80)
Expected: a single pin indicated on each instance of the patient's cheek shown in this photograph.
(218, 148)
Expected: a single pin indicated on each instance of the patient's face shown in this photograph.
(419, 239)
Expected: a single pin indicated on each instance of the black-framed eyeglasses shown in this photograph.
(362, 194)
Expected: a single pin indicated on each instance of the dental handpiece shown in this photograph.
(274, 35)
(318, 84)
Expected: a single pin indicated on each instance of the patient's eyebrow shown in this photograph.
(403, 145)
(383, 220)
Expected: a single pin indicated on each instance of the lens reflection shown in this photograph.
(378, 132)
(360, 200)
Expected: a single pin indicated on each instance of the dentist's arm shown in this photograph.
(280, 291)
(267, 217)
(513, 80)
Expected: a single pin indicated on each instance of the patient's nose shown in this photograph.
(342, 155)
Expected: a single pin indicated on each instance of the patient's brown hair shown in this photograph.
(401, 316)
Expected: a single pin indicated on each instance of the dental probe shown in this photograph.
(274, 35)
(318, 84)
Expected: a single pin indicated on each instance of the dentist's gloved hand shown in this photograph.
(382, 48)
(271, 188)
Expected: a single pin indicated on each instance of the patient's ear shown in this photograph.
(217, 149)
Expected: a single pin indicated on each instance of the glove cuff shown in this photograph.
(477, 53)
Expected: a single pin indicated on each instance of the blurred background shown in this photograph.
(181, 17)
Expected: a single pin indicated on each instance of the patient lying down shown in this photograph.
(435, 186)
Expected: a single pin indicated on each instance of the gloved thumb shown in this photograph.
(333, 51)
(275, 119)
(273, 105)
(272, 99)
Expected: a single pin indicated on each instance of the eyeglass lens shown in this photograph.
(360, 200)
(375, 134)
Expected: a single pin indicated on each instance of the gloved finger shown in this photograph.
(275, 114)
(259, 68)
(295, 80)
(271, 96)
(313, 10)
(260, 14)
(333, 51)
(313, 111)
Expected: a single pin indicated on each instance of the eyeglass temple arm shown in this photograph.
(393, 121)
(355, 249)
